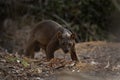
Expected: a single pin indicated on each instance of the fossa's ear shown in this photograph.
(73, 36)
(59, 35)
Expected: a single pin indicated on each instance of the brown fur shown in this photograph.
(50, 36)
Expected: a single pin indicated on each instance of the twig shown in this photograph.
(116, 3)
(59, 18)
(6, 77)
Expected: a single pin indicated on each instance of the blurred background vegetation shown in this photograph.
(90, 19)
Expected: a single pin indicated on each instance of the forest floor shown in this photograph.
(97, 61)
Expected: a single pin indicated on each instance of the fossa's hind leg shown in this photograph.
(31, 48)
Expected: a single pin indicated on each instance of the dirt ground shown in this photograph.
(98, 60)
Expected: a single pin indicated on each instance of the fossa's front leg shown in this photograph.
(50, 49)
(73, 54)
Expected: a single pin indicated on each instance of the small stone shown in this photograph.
(3, 60)
(73, 70)
(38, 78)
(18, 61)
(39, 70)
(94, 63)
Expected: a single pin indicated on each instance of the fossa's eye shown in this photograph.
(69, 44)
(63, 43)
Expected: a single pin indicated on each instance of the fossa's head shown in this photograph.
(66, 40)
